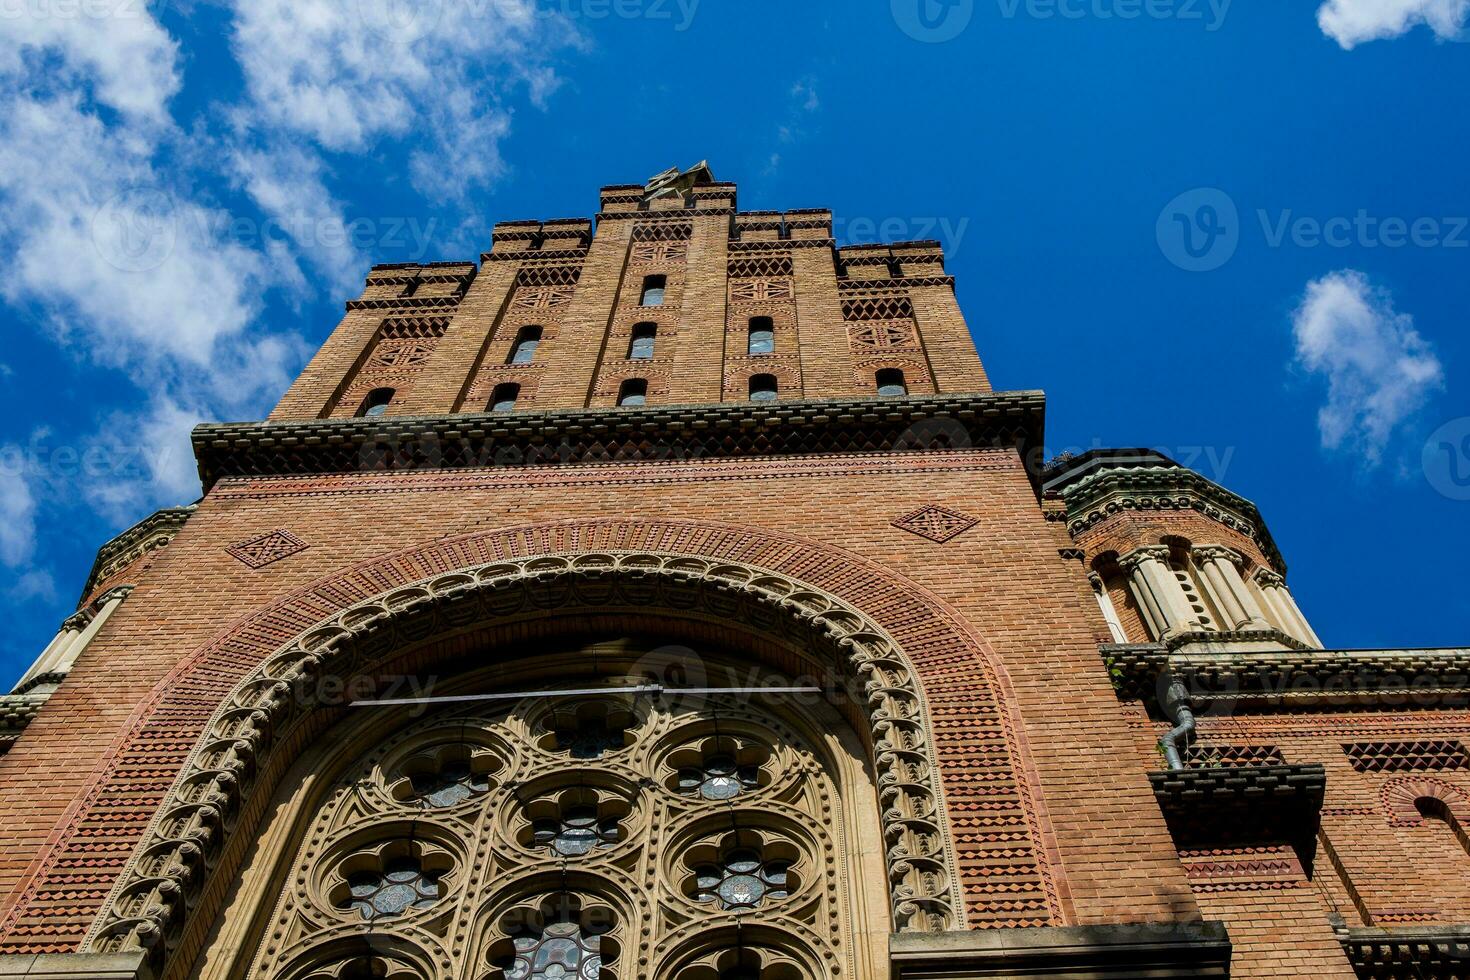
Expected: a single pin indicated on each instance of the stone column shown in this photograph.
(1221, 570)
(1288, 615)
(1159, 593)
(110, 601)
(55, 650)
(1105, 603)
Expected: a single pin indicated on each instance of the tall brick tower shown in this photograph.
(668, 595)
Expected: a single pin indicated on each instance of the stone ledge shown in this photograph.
(1114, 952)
(1412, 953)
(75, 966)
(1243, 805)
(1405, 678)
(674, 433)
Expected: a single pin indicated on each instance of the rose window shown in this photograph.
(578, 832)
(366, 968)
(742, 881)
(742, 871)
(445, 776)
(389, 880)
(744, 964)
(575, 822)
(560, 941)
(719, 768)
(719, 778)
(591, 730)
(401, 885)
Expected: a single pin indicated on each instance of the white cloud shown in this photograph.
(17, 509)
(1379, 370)
(117, 45)
(347, 77)
(37, 584)
(130, 275)
(289, 185)
(804, 94)
(1353, 22)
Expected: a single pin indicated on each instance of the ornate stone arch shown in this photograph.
(902, 638)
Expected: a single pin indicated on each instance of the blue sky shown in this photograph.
(1235, 231)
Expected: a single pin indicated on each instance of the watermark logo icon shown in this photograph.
(135, 230)
(1447, 459)
(933, 21)
(1199, 230)
(401, 21)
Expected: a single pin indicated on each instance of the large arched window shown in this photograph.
(376, 403)
(577, 831)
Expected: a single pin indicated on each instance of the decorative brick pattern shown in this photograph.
(268, 548)
(1426, 756)
(936, 523)
(1210, 756)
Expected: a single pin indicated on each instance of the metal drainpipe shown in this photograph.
(1176, 702)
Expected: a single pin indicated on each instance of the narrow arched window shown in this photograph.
(634, 392)
(763, 388)
(504, 397)
(891, 383)
(376, 402)
(762, 338)
(653, 290)
(524, 350)
(641, 346)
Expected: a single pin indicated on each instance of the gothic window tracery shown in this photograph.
(575, 838)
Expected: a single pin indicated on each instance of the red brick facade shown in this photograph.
(926, 512)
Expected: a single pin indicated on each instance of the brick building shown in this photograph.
(669, 595)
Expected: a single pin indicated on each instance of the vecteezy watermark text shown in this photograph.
(1210, 13)
(937, 21)
(1201, 229)
(949, 232)
(408, 21)
(138, 229)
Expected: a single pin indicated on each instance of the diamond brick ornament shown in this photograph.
(936, 523)
(262, 551)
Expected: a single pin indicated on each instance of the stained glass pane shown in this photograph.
(560, 951)
(401, 885)
(451, 785)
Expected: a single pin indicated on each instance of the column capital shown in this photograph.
(119, 592)
(1216, 552)
(1136, 557)
(78, 620)
(1268, 579)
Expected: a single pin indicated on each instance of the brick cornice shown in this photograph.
(154, 531)
(685, 213)
(405, 303)
(530, 254)
(1100, 495)
(908, 282)
(677, 432)
(1309, 679)
(781, 246)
